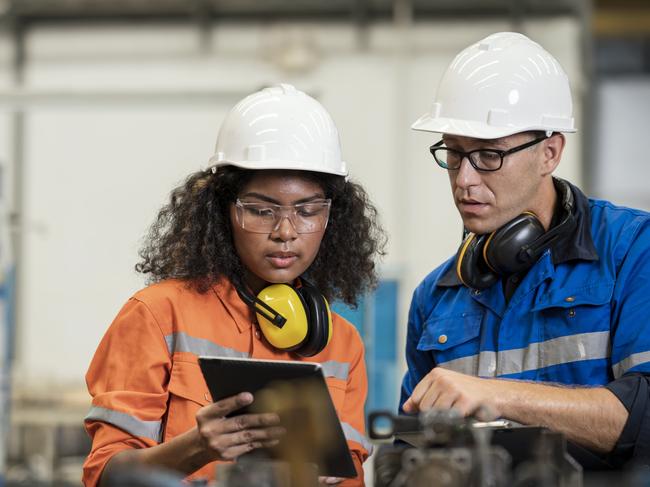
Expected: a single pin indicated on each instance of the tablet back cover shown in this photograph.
(226, 377)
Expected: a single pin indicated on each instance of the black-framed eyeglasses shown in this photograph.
(485, 160)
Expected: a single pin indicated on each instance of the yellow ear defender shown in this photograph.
(296, 319)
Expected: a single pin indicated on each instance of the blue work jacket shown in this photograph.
(579, 316)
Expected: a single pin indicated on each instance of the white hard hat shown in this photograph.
(502, 85)
(279, 128)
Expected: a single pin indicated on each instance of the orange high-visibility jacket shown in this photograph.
(147, 386)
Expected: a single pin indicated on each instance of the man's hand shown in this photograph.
(446, 389)
(590, 416)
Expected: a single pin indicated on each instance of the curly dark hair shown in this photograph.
(191, 238)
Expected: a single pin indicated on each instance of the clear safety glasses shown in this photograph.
(257, 217)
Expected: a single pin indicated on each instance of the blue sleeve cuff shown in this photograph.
(633, 446)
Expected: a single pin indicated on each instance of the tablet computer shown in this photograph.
(294, 382)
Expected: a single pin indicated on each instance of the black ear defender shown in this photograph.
(482, 259)
(294, 319)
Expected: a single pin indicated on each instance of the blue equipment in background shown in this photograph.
(376, 320)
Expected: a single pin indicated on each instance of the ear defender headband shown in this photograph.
(295, 319)
(513, 248)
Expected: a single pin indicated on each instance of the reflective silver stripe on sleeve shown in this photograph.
(126, 422)
(353, 435)
(182, 342)
(557, 351)
(335, 369)
(629, 362)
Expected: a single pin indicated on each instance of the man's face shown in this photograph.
(488, 200)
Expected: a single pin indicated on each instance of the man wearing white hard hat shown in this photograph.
(541, 316)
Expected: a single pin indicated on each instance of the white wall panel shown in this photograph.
(622, 166)
(95, 179)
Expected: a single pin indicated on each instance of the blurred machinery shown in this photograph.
(443, 449)
(439, 449)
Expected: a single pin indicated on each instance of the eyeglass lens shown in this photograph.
(485, 159)
(266, 217)
(481, 159)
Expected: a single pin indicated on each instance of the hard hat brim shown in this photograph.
(473, 129)
(281, 164)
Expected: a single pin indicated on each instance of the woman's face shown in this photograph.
(282, 254)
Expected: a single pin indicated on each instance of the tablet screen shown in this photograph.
(276, 384)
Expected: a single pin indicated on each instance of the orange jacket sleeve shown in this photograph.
(352, 415)
(127, 379)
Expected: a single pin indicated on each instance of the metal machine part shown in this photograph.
(440, 448)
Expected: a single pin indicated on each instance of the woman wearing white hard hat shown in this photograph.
(541, 316)
(273, 220)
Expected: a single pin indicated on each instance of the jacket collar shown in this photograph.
(241, 314)
(574, 243)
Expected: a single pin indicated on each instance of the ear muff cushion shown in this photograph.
(503, 252)
(320, 322)
(290, 304)
(471, 268)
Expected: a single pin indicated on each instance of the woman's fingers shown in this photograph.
(248, 421)
(228, 438)
(252, 435)
(230, 446)
(226, 406)
(238, 450)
